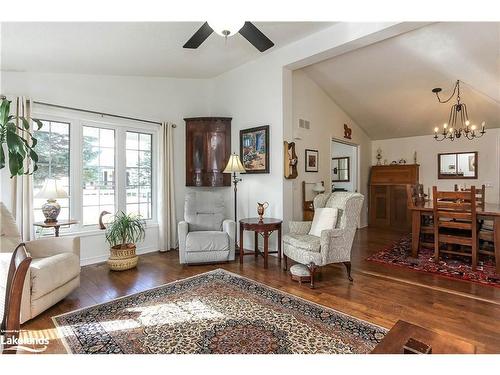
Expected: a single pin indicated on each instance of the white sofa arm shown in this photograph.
(46, 247)
(182, 229)
(300, 227)
(229, 226)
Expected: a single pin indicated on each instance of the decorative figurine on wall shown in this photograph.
(347, 132)
(379, 156)
(290, 160)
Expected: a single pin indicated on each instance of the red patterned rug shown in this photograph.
(454, 267)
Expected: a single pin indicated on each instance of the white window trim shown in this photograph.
(79, 119)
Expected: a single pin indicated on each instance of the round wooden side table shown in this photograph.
(264, 227)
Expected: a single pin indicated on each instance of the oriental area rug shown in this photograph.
(449, 266)
(217, 312)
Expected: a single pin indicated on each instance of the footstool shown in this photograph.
(300, 273)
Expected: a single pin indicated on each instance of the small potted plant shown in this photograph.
(122, 234)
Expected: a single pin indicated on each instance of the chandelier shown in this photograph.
(458, 123)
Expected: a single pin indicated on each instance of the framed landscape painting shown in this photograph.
(254, 149)
(311, 160)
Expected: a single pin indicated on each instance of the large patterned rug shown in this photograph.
(450, 266)
(214, 312)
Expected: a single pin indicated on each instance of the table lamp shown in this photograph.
(318, 188)
(234, 166)
(51, 192)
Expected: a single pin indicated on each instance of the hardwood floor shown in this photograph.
(379, 294)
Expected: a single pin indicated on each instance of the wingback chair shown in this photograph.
(204, 235)
(334, 245)
(54, 271)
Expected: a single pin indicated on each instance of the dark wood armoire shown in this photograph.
(388, 202)
(208, 148)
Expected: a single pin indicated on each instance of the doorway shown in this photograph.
(344, 167)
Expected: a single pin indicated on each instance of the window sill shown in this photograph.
(90, 232)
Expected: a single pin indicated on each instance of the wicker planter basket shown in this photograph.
(122, 259)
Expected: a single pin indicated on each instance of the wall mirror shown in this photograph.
(340, 169)
(457, 165)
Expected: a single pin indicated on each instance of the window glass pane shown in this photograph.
(133, 209)
(132, 195)
(145, 142)
(107, 138)
(98, 175)
(132, 158)
(139, 177)
(54, 162)
(107, 157)
(91, 135)
(132, 141)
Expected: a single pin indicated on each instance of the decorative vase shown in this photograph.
(379, 155)
(122, 258)
(261, 208)
(51, 210)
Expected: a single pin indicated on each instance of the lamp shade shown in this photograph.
(318, 187)
(234, 165)
(50, 190)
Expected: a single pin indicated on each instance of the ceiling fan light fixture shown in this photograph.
(226, 28)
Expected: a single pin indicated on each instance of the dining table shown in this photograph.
(491, 211)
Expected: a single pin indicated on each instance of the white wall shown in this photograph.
(427, 148)
(340, 150)
(327, 121)
(157, 99)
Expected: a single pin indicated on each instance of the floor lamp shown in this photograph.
(234, 166)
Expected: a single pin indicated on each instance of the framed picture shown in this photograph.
(254, 149)
(311, 162)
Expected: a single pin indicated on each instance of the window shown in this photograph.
(112, 167)
(138, 174)
(98, 174)
(54, 162)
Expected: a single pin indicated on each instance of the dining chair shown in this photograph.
(480, 195)
(486, 233)
(455, 223)
(415, 195)
(11, 319)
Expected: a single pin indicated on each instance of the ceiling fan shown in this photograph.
(247, 29)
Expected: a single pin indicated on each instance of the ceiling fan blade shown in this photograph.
(199, 37)
(251, 33)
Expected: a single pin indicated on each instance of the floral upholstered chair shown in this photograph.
(334, 245)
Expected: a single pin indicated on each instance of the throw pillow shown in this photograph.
(324, 218)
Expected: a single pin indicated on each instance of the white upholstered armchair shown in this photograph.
(54, 270)
(204, 235)
(334, 245)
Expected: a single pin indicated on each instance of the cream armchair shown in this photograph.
(204, 235)
(334, 245)
(54, 271)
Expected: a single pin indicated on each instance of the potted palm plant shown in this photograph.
(19, 142)
(122, 234)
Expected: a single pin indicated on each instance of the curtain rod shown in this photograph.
(99, 113)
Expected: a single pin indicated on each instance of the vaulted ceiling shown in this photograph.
(386, 87)
(134, 48)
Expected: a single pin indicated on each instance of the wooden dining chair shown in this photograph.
(11, 324)
(415, 196)
(480, 195)
(486, 234)
(455, 223)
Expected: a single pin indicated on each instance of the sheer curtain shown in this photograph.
(166, 209)
(22, 186)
